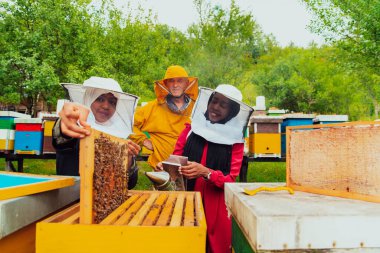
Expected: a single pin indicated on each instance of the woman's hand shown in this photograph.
(194, 170)
(133, 148)
(159, 167)
(70, 115)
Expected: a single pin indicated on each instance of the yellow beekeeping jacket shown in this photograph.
(163, 125)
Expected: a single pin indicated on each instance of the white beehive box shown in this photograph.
(280, 222)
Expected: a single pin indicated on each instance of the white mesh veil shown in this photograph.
(228, 133)
(120, 124)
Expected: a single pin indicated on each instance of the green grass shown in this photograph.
(266, 172)
(257, 171)
(34, 166)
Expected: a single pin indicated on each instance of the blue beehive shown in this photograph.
(29, 136)
(296, 119)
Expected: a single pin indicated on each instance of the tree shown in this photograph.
(353, 26)
(40, 41)
(225, 44)
(308, 80)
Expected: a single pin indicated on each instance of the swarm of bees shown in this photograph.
(110, 181)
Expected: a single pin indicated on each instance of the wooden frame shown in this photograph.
(348, 170)
(87, 170)
(173, 222)
(54, 182)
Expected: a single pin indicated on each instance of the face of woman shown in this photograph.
(104, 107)
(218, 108)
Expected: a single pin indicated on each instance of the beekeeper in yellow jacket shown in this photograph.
(158, 124)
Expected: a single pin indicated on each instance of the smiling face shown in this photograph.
(177, 85)
(104, 107)
(218, 108)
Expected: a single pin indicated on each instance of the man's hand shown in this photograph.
(70, 115)
(148, 144)
(159, 167)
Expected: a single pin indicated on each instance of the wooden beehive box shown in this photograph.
(279, 222)
(340, 160)
(48, 124)
(148, 221)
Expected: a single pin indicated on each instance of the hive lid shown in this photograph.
(299, 116)
(266, 119)
(338, 118)
(14, 185)
(14, 114)
(28, 121)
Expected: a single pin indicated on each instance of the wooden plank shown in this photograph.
(59, 217)
(288, 162)
(128, 215)
(120, 210)
(163, 220)
(176, 219)
(73, 219)
(86, 172)
(335, 159)
(154, 212)
(140, 215)
(189, 211)
(200, 219)
(104, 177)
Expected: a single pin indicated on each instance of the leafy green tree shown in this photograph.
(308, 80)
(40, 41)
(353, 26)
(225, 44)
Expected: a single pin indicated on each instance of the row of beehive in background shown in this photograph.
(267, 133)
(21, 134)
(266, 138)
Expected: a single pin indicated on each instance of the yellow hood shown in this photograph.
(162, 90)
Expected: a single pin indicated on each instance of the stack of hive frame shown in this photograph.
(335, 159)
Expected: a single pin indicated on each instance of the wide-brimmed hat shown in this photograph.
(176, 71)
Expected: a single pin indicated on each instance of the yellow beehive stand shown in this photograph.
(340, 160)
(148, 221)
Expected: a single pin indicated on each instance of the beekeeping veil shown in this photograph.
(120, 124)
(228, 131)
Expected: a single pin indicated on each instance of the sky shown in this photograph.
(287, 20)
